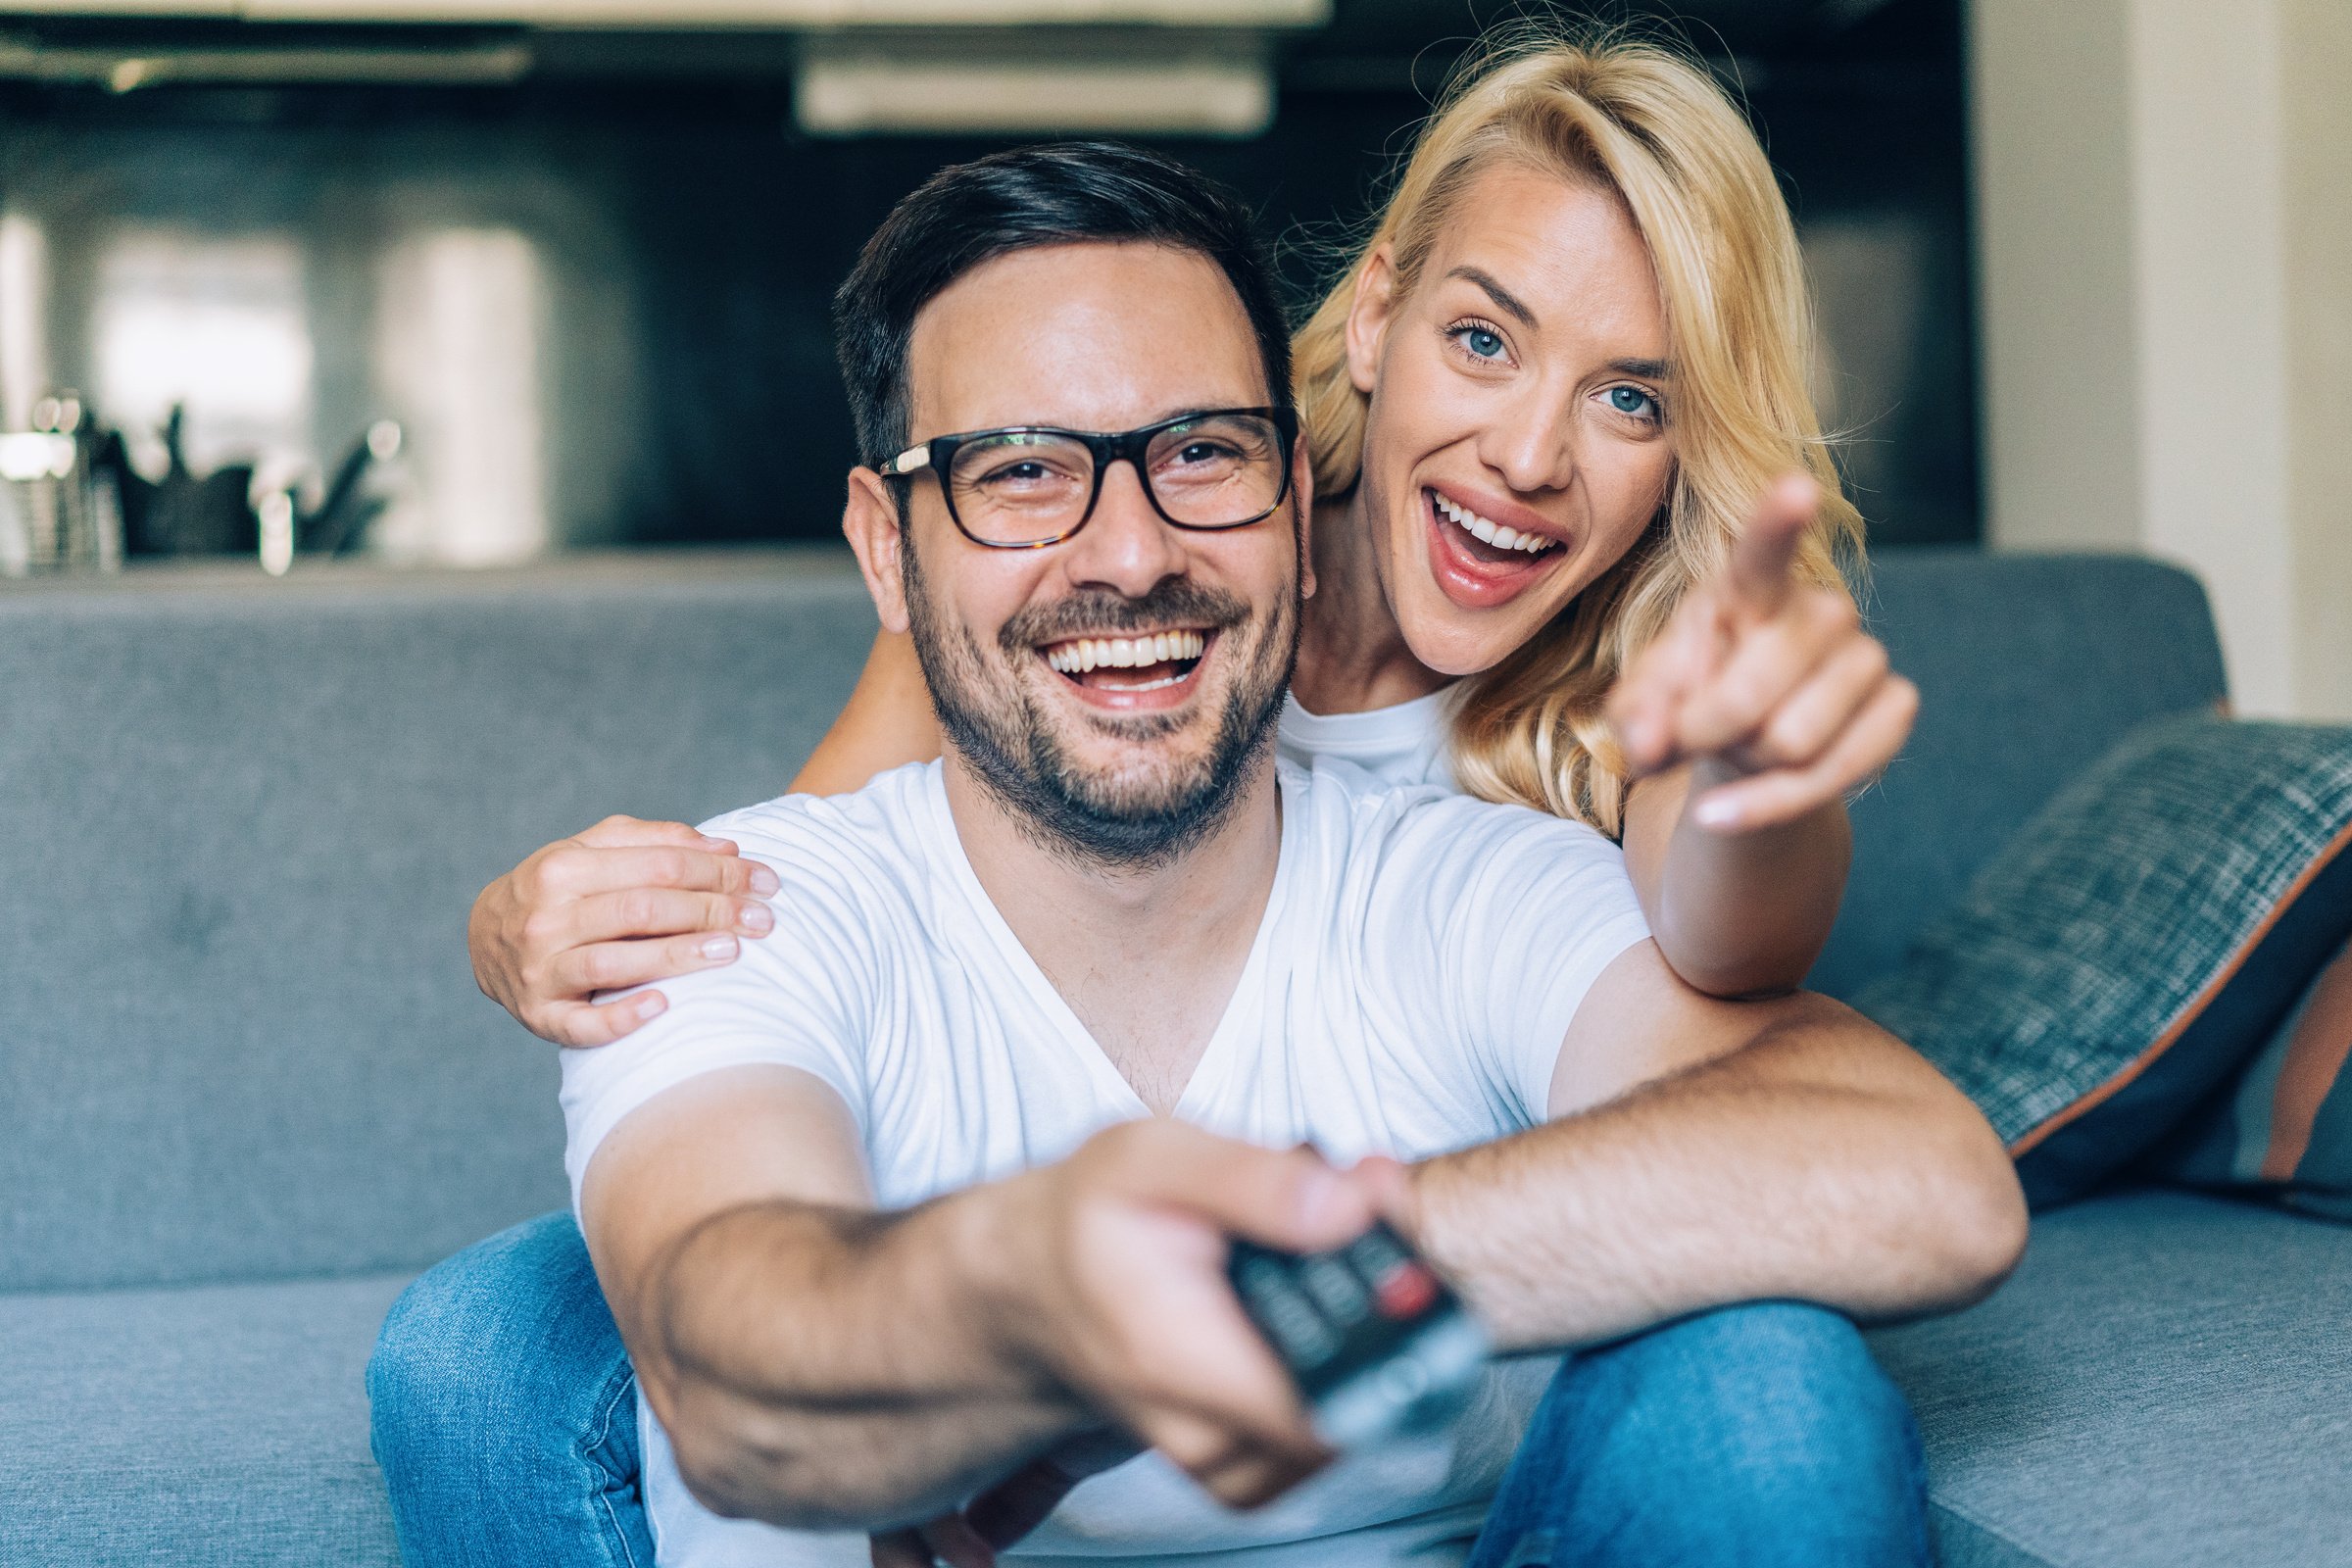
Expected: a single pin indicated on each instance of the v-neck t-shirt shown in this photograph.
(1419, 958)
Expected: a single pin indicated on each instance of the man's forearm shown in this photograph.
(830, 1368)
(1823, 1163)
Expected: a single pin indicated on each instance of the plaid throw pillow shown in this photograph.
(2286, 1127)
(2135, 943)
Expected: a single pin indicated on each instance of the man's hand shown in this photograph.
(1771, 684)
(1127, 1305)
(1125, 1302)
(928, 1354)
(622, 903)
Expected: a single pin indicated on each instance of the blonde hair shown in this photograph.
(1630, 116)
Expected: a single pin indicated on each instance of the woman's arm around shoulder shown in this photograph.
(628, 902)
(886, 723)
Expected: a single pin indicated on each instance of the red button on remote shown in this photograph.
(1406, 1291)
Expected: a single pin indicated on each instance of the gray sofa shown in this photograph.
(250, 1089)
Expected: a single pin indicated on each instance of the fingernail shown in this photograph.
(757, 919)
(765, 884)
(650, 1005)
(719, 948)
(1708, 811)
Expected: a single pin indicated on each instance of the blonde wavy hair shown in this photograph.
(1628, 114)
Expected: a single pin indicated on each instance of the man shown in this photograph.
(903, 1213)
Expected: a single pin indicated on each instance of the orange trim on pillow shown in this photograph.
(2196, 1006)
(2323, 1039)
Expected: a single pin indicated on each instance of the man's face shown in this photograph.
(1126, 763)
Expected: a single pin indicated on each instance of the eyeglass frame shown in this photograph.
(1105, 448)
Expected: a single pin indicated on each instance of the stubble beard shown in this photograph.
(1100, 818)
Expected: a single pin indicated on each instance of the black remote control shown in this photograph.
(1375, 1341)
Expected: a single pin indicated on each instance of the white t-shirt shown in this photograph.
(1412, 977)
(1403, 744)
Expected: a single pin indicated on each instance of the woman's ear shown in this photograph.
(1303, 490)
(870, 519)
(1369, 316)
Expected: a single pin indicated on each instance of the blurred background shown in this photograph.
(470, 282)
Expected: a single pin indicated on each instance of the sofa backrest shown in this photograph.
(2028, 668)
(241, 827)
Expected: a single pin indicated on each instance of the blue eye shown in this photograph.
(1632, 402)
(1483, 342)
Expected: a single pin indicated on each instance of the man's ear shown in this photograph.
(869, 520)
(1369, 316)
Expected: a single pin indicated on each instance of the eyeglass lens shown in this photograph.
(1217, 471)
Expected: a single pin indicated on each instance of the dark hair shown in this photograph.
(971, 213)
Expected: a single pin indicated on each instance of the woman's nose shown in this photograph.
(1532, 444)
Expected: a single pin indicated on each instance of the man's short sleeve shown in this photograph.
(801, 996)
(1492, 922)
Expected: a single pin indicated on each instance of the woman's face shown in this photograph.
(1517, 441)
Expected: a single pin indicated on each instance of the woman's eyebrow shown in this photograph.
(1647, 370)
(1504, 300)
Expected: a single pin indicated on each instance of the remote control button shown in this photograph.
(1406, 1291)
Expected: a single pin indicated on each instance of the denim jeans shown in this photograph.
(1764, 1434)
(503, 1412)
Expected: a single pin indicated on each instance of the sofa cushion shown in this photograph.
(217, 1423)
(2164, 1382)
(2284, 1129)
(2136, 943)
(2030, 668)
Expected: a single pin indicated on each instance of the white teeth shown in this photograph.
(1082, 654)
(1478, 527)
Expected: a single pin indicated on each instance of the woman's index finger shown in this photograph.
(1764, 557)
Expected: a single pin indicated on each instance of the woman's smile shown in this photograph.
(1483, 554)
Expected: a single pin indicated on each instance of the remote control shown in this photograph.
(1375, 1341)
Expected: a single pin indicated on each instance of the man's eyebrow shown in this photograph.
(1507, 302)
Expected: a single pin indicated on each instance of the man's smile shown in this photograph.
(1126, 667)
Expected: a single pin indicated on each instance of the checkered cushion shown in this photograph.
(2135, 941)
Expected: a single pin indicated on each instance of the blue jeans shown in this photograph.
(505, 1420)
(504, 1412)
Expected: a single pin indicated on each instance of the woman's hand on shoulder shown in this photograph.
(1772, 680)
(626, 903)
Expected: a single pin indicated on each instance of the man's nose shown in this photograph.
(1126, 545)
(1532, 445)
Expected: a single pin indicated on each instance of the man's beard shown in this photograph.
(995, 724)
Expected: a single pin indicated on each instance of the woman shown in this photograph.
(1543, 404)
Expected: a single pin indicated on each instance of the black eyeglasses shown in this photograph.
(1027, 486)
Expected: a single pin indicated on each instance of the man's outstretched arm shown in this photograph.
(820, 1366)
(1707, 1153)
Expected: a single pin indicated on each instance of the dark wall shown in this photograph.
(687, 238)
